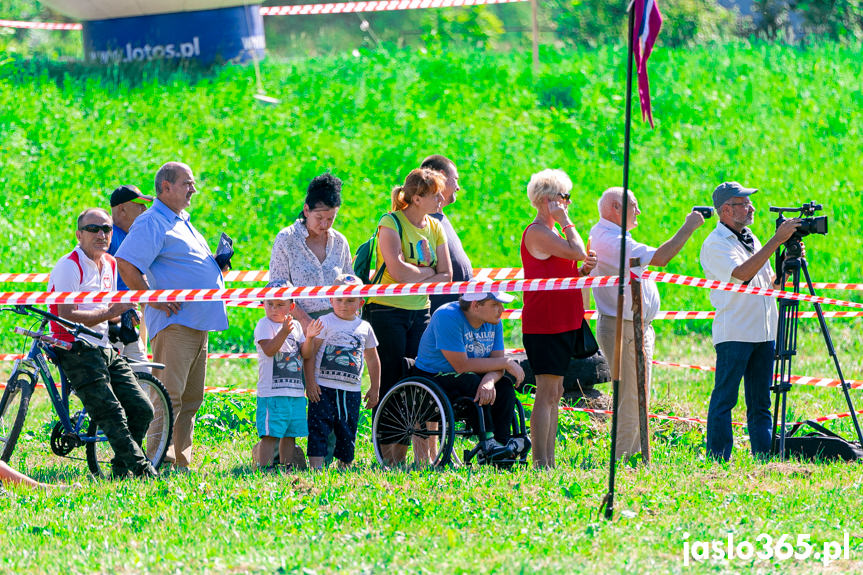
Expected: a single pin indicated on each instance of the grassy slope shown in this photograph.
(782, 119)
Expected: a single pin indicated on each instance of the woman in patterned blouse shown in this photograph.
(310, 252)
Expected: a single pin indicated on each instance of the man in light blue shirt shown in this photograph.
(462, 351)
(164, 251)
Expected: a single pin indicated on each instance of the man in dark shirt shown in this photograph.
(461, 268)
(127, 203)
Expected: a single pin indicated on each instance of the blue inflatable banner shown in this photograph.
(221, 35)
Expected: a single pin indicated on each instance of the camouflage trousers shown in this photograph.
(110, 393)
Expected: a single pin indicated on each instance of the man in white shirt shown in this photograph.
(744, 329)
(100, 376)
(605, 240)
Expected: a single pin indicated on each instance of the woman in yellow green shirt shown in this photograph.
(420, 256)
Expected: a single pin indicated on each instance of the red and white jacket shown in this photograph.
(76, 272)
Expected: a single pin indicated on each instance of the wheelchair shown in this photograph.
(416, 419)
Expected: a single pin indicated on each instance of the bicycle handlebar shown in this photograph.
(76, 328)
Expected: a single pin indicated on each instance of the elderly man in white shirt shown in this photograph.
(744, 329)
(605, 239)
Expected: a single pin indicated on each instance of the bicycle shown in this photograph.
(73, 430)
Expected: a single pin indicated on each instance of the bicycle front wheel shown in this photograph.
(13, 411)
(157, 439)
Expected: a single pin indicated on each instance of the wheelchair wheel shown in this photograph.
(157, 439)
(413, 425)
(13, 411)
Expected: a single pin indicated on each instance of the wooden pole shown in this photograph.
(535, 29)
(640, 364)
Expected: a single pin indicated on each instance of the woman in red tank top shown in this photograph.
(550, 319)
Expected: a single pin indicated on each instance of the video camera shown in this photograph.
(808, 225)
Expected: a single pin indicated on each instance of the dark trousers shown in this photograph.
(498, 415)
(336, 415)
(398, 332)
(753, 362)
(110, 393)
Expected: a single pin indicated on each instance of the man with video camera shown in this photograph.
(744, 328)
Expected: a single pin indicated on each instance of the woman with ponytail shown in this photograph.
(416, 254)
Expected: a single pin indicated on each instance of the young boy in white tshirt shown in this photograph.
(340, 342)
(281, 401)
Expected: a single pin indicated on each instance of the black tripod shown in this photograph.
(786, 341)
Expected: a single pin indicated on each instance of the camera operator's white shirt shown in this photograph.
(739, 316)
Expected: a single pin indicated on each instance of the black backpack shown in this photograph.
(366, 254)
(820, 443)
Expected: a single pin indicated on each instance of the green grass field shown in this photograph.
(786, 120)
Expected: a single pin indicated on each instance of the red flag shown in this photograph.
(648, 21)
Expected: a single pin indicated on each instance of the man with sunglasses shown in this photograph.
(605, 240)
(744, 327)
(101, 378)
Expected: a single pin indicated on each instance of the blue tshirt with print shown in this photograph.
(449, 330)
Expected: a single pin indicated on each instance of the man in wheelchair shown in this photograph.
(462, 351)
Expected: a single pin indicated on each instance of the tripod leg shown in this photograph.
(832, 351)
(786, 348)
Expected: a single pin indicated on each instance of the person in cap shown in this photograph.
(462, 351)
(744, 327)
(605, 239)
(127, 203)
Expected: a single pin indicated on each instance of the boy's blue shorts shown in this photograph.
(282, 417)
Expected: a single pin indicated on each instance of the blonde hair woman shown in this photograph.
(551, 319)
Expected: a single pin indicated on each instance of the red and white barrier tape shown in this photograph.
(40, 278)
(650, 415)
(373, 6)
(479, 274)
(302, 10)
(231, 276)
(795, 379)
(240, 294)
(678, 315)
(829, 417)
(40, 25)
(739, 288)
(247, 294)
